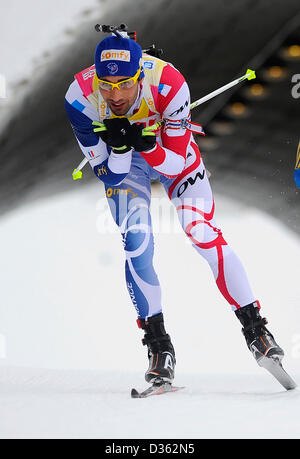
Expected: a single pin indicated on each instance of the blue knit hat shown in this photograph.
(118, 56)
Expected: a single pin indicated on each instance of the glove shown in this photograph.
(116, 134)
(139, 140)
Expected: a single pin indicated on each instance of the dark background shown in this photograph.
(211, 43)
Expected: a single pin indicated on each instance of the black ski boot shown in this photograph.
(259, 340)
(161, 353)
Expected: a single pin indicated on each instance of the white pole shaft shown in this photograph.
(214, 93)
(82, 164)
(222, 89)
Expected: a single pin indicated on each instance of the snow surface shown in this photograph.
(73, 404)
(72, 348)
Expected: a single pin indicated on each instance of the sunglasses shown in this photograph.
(125, 84)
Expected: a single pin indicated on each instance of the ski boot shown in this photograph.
(161, 353)
(259, 340)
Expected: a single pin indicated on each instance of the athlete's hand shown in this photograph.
(141, 140)
(116, 134)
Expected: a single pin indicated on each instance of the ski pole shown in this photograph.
(249, 75)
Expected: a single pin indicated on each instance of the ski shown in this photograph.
(155, 389)
(274, 366)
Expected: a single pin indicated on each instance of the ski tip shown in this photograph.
(155, 389)
(274, 366)
(291, 386)
(176, 388)
(135, 394)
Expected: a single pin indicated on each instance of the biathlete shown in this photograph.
(125, 91)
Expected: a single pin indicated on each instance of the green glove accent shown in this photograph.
(147, 133)
(120, 149)
(142, 139)
(101, 127)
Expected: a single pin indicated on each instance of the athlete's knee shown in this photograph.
(136, 238)
(203, 233)
(138, 241)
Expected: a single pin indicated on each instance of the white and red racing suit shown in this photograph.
(176, 161)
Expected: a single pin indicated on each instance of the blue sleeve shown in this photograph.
(103, 172)
(83, 130)
(81, 124)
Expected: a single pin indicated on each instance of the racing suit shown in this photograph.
(176, 161)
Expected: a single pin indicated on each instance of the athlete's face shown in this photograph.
(119, 100)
